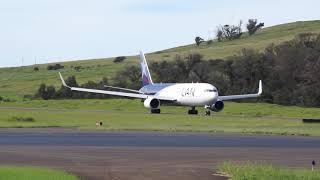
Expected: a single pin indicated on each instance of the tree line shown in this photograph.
(290, 72)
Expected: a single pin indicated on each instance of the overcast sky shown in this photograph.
(61, 30)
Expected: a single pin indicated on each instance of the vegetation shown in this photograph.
(21, 119)
(229, 32)
(253, 26)
(251, 171)
(36, 69)
(34, 173)
(55, 67)
(119, 59)
(130, 115)
(2, 99)
(199, 40)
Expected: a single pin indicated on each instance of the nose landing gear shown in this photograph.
(155, 111)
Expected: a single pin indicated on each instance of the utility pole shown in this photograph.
(22, 59)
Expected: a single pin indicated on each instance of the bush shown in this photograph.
(55, 67)
(119, 59)
(229, 32)
(21, 119)
(198, 40)
(78, 68)
(6, 99)
(35, 69)
(45, 92)
(253, 26)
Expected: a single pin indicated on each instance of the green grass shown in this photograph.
(130, 115)
(265, 172)
(33, 173)
(16, 82)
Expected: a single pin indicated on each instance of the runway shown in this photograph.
(152, 155)
(145, 139)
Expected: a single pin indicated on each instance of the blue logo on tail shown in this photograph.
(145, 80)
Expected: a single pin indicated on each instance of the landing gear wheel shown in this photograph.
(155, 111)
(208, 113)
(193, 111)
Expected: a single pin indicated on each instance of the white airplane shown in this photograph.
(155, 95)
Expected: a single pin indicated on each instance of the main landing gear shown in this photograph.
(155, 111)
(208, 113)
(193, 111)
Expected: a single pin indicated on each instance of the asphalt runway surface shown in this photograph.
(154, 155)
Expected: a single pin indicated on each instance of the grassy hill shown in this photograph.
(19, 81)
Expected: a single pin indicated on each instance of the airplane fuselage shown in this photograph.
(186, 94)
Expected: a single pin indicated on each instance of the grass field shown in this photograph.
(265, 172)
(130, 115)
(16, 82)
(33, 173)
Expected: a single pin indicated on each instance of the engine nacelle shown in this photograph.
(218, 106)
(152, 103)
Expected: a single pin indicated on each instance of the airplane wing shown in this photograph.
(115, 93)
(244, 96)
(125, 89)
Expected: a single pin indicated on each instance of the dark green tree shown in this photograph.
(253, 26)
(199, 40)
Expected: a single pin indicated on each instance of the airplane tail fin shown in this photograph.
(146, 77)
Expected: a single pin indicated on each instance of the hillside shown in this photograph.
(19, 81)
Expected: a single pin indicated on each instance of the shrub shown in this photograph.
(210, 42)
(6, 99)
(198, 40)
(21, 119)
(35, 69)
(119, 59)
(253, 26)
(77, 68)
(55, 67)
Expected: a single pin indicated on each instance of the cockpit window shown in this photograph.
(210, 90)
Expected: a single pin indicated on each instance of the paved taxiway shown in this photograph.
(137, 155)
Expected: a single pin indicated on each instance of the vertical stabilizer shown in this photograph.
(146, 77)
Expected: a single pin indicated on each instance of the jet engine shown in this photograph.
(152, 103)
(218, 106)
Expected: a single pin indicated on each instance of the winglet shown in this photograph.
(62, 80)
(260, 88)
